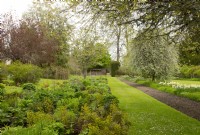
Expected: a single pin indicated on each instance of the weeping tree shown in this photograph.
(154, 57)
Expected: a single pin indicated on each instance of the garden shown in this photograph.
(186, 84)
(63, 65)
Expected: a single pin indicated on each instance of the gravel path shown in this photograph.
(184, 105)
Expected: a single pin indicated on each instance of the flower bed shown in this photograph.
(77, 106)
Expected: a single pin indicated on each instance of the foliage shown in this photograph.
(23, 73)
(114, 67)
(12, 89)
(74, 68)
(190, 49)
(93, 124)
(2, 91)
(91, 55)
(102, 58)
(8, 82)
(75, 106)
(126, 70)
(40, 37)
(55, 27)
(171, 15)
(29, 86)
(190, 71)
(29, 44)
(54, 128)
(2, 86)
(35, 117)
(66, 117)
(2, 71)
(154, 58)
(11, 113)
(76, 83)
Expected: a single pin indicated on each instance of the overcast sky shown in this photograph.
(16, 6)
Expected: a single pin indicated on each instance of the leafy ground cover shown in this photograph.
(149, 116)
(11, 89)
(185, 88)
(76, 106)
(43, 83)
(49, 83)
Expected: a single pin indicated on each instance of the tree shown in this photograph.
(6, 24)
(92, 19)
(154, 58)
(40, 38)
(52, 18)
(102, 57)
(27, 42)
(190, 50)
(172, 15)
(91, 55)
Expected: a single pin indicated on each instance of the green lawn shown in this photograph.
(149, 116)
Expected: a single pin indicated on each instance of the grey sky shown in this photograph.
(17, 7)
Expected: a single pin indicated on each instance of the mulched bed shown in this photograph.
(184, 105)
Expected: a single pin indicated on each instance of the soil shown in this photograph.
(184, 105)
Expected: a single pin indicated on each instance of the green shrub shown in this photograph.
(2, 86)
(112, 124)
(10, 113)
(29, 86)
(8, 82)
(190, 72)
(65, 117)
(197, 73)
(37, 129)
(24, 73)
(36, 117)
(43, 103)
(2, 92)
(76, 84)
(109, 100)
(114, 67)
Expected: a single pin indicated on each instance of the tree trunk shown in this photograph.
(153, 77)
(118, 40)
(127, 38)
(84, 73)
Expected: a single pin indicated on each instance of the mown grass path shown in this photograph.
(184, 105)
(149, 116)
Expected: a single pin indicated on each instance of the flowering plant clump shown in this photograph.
(177, 85)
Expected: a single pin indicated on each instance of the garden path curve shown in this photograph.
(184, 105)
